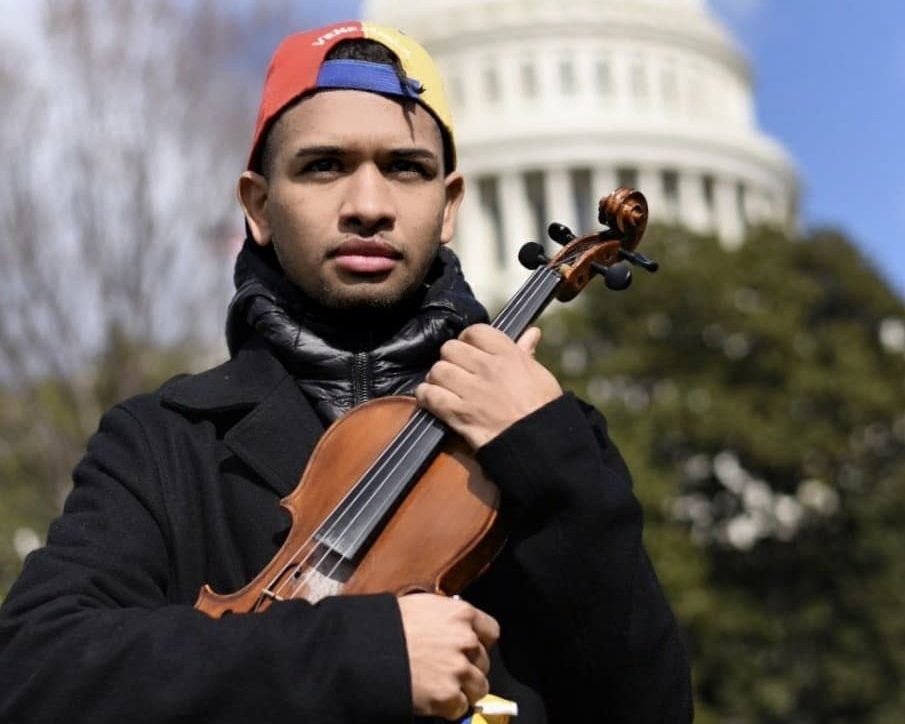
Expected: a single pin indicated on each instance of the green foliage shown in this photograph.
(24, 510)
(759, 398)
(43, 430)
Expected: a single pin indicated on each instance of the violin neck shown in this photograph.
(528, 302)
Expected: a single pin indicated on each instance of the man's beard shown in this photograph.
(350, 299)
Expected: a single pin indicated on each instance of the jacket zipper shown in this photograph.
(361, 391)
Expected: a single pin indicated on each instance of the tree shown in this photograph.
(759, 396)
(123, 132)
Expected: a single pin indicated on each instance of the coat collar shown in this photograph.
(277, 433)
(241, 382)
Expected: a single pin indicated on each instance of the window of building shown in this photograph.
(708, 184)
(491, 84)
(603, 80)
(671, 185)
(567, 77)
(488, 193)
(456, 90)
(669, 86)
(638, 81)
(627, 176)
(528, 74)
(585, 214)
(742, 207)
(535, 190)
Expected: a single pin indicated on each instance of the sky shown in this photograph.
(830, 86)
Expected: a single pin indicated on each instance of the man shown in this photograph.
(344, 293)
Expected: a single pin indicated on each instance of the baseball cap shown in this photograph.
(299, 66)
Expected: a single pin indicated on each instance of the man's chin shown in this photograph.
(365, 298)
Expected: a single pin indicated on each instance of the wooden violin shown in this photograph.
(394, 501)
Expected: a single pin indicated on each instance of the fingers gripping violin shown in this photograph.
(391, 499)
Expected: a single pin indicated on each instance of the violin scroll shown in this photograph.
(625, 211)
(606, 252)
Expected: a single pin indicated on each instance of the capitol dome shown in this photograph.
(557, 103)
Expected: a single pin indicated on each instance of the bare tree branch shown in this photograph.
(122, 139)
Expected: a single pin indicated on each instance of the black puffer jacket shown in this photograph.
(340, 364)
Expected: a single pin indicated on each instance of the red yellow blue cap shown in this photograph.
(299, 66)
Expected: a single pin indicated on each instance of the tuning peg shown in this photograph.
(560, 233)
(617, 277)
(532, 255)
(635, 258)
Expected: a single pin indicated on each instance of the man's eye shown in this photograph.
(407, 168)
(322, 165)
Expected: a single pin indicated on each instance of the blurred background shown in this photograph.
(756, 383)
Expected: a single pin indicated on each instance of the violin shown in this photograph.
(391, 499)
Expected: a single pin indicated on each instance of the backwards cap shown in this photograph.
(298, 67)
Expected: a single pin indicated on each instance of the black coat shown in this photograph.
(181, 487)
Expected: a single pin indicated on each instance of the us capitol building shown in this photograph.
(557, 103)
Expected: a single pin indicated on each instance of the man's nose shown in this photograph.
(368, 206)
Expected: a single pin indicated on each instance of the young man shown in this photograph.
(344, 293)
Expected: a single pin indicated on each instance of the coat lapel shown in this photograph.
(278, 430)
(277, 437)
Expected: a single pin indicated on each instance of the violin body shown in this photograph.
(443, 534)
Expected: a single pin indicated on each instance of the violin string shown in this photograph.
(403, 437)
(372, 492)
(512, 307)
(411, 429)
(526, 292)
(511, 310)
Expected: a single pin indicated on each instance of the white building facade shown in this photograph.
(556, 104)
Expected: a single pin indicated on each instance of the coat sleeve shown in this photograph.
(582, 615)
(87, 633)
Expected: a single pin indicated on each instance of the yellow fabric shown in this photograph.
(418, 65)
(494, 710)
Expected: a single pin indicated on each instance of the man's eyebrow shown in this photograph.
(319, 151)
(417, 152)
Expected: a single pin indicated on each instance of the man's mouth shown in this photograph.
(365, 256)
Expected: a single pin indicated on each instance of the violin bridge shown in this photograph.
(267, 593)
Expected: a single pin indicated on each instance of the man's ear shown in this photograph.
(455, 191)
(252, 192)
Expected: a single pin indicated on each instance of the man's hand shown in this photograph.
(447, 642)
(484, 382)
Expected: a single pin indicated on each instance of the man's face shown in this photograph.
(355, 202)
